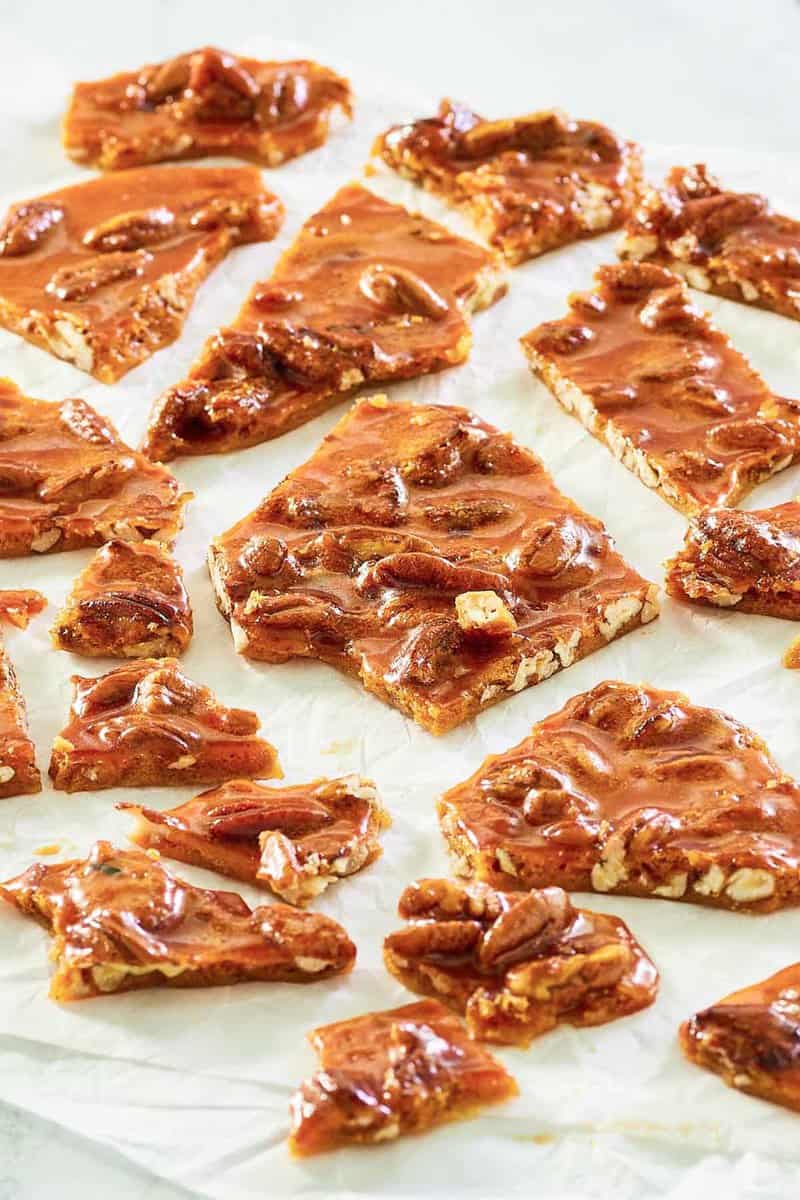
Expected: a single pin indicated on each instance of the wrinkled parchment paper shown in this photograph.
(194, 1086)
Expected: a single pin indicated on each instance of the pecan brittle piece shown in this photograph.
(147, 724)
(516, 965)
(67, 480)
(749, 561)
(205, 102)
(293, 840)
(528, 183)
(18, 606)
(391, 1073)
(120, 921)
(729, 243)
(635, 791)
(751, 1039)
(430, 555)
(104, 273)
(19, 774)
(647, 373)
(129, 602)
(368, 292)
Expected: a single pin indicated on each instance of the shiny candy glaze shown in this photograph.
(755, 552)
(64, 468)
(160, 221)
(204, 102)
(128, 593)
(367, 291)
(18, 606)
(124, 907)
(17, 751)
(661, 375)
(527, 171)
(753, 1035)
(644, 768)
(387, 1073)
(357, 557)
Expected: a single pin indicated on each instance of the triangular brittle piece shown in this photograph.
(647, 373)
(729, 243)
(391, 1073)
(129, 602)
(18, 606)
(293, 840)
(529, 183)
(147, 724)
(752, 1039)
(429, 554)
(19, 774)
(204, 102)
(517, 964)
(368, 292)
(68, 481)
(121, 921)
(103, 273)
(636, 791)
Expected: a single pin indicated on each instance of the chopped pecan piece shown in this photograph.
(431, 556)
(205, 102)
(147, 724)
(129, 602)
(517, 965)
(647, 373)
(19, 606)
(729, 243)
(121, 921)
(751, 1039)
(293, 840)
(362, 295)
(391, 1073)
(528, 183)
(104, 273)
(634, 791)
(19, 774)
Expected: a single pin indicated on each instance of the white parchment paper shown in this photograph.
(194, 1086)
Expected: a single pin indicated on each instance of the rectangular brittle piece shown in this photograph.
(430, 555)
(387, 1074)
(103, 273)
(729, 243)
(368, 292)
(205, 102)
(67, 480)
(636, 791)
(528, 183)
(647, 373)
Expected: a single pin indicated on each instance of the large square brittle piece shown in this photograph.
(430, 555)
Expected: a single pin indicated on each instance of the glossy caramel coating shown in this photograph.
(386, 1074)
(729, 243)
(516, 965)
(147, 724)
(129, 602)
(121, 921)
(19, 774)
(205, 102)
(293, 840)
(752, 1039)
(646, 372)
(367, 292)
(529, 183)
(426, 552)
(744, 560)
(637, 791)
(103, 273)
(18, 606)
(68, 481)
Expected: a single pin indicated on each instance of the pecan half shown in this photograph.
(80, 282)
(131, 230)
(402, 291)
(26, 226)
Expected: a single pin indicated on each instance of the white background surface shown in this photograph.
(91, 1097)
